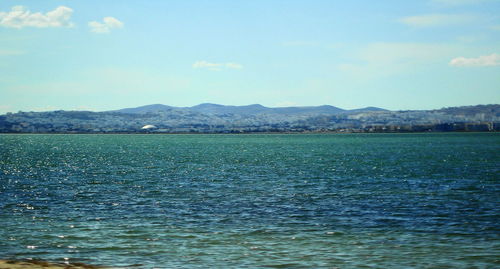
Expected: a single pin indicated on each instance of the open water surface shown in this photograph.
(232, 201)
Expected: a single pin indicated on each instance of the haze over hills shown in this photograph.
(213, 118)
(253, 109)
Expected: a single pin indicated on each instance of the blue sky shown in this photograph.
(103, 55)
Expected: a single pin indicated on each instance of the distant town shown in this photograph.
(213, 118)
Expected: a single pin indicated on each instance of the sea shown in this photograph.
(426, 200)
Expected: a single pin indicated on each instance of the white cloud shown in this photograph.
(20, 17)
(233, 65)
(456, 2)
(385, 59)
(430, 20)
(205, 64)
(486, 60)
(216, 66)
(106, 26)
(404, 53)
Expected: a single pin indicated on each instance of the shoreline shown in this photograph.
(246, 133)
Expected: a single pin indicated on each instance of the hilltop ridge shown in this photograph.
(253, 109)
(214, 118)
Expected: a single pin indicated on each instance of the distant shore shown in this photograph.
(223, 119)
(262, 132)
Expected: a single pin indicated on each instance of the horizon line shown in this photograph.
(84, 109)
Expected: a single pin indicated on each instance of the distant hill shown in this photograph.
(221, 109)
(325, 109)
(145, 109)
(368, 109)
(255, 109)
(214, 118)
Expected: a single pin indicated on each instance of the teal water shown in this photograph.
(232, 201)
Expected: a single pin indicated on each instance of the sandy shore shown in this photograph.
(4, 264)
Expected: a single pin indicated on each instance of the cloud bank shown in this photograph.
(486, 60)
(216, 66)
(430, 20)
(20, 17)
(457, 2)
(106, 26)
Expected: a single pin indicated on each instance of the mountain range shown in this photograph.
(213, 118)
(255, 109)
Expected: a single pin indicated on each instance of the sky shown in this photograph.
(103, 55)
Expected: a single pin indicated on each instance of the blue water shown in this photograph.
(232, 201)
